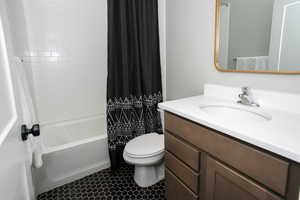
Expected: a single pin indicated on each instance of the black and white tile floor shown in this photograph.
(104, 186)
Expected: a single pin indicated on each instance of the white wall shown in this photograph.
(68, 56)
(162, 35)
(190, 40)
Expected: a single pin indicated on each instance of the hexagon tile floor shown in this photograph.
(104, 186)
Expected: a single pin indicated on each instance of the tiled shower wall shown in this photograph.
(67, 54)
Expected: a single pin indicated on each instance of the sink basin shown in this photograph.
(236, 112)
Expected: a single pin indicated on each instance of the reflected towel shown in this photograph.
(259, 63)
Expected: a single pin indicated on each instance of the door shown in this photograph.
(224, 183)
(15, 176)
(285, 43)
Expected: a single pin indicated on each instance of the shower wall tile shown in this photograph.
(66, 91)
(68, 57)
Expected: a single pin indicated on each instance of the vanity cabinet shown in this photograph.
(202, 163)
(225, 183)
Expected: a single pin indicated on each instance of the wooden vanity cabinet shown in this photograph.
(205, 164)
(225, 183)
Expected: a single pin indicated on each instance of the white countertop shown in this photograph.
(280, 135)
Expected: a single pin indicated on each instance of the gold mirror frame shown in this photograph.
(217, 48)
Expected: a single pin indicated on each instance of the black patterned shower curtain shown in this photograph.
(134, 86)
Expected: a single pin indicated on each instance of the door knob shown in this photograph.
(35, 131)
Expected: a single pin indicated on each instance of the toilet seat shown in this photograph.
(145, 146)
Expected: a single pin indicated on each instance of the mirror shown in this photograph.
(258, 36)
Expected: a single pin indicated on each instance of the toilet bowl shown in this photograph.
(146, 152)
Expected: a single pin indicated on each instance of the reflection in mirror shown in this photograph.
(258, 35)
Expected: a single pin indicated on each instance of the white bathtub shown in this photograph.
(72, 150)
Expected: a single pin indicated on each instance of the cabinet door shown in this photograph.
(224, 183)
(176, 190)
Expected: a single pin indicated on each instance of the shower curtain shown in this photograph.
(134, 86)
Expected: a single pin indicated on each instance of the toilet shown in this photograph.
(146, 152)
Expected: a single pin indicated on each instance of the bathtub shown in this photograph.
(71, 150)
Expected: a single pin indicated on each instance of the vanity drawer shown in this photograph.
(262, 167)
(175, 189)
(183, 172)
(183, 151)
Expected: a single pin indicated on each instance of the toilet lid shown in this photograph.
(146, 145)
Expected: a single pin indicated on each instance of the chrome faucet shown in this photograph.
(246, 98)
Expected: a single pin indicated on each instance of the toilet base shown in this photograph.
(146, 176)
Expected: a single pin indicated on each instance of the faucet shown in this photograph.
(246, 98)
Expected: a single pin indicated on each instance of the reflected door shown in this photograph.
(285, 42)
